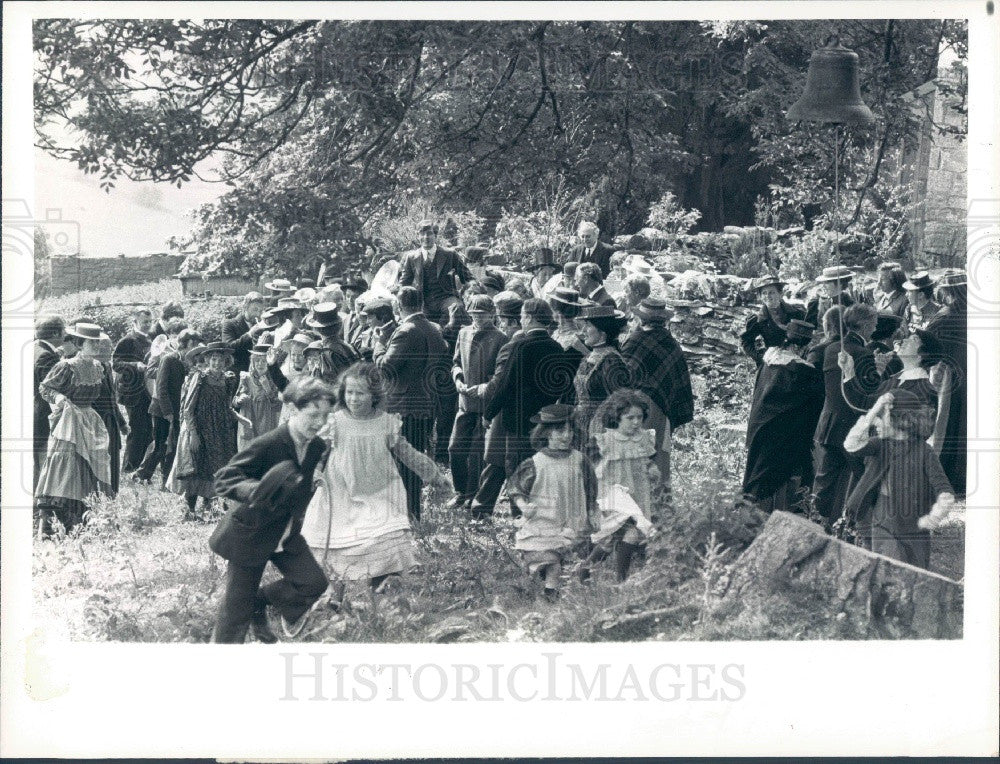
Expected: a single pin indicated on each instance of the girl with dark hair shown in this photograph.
(357, 522)
(902, 481)
(556, 490)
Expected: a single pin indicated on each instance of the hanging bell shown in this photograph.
(832, 91)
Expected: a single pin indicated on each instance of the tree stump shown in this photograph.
(890, 598)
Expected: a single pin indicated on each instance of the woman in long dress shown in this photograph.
(602, 370)
(77, 462)
(257, 398)
(107, 407)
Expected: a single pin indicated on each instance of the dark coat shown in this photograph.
(837, 418)
(167, 391)
(475, 360)
(951, 329)
(131, 351)
(601, 297)
(819, 304)
(787, 399)
(857, 395)
(531, 372)
(412, 366)
(601, 255)
(249, 532)
(236, 332)
(46, 356)
(761, 324)
(437, 283)
(660, 370)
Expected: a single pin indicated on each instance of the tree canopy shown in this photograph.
(319, 126)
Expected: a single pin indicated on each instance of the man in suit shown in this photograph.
(531, 372)
(414, 363)
(591, 250)
(165, 407)
(834, 468)
(268, 486)
(590, 285)
(129, 364)
(49, 332)
(241, 332)
(432, 271)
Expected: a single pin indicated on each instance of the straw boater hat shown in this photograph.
(765, 281)
(653, 309)
(835, 273)
(85, 331)
(554, 413)
(304, 295)
(919, 280)
(324, 315)
(799, 330)
(287, 305)
(280, 285)
(260, 349)
(218, 347)
(594, 310)
(269, 319)
(299, 338)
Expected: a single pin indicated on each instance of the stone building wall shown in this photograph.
(75, 274)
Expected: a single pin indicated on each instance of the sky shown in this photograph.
(133, 219)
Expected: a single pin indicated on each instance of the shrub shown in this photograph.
(668, 216)
(398, 232)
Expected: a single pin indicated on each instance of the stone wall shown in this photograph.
(940, 166)
(76, 274)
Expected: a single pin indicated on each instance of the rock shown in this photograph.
(891, 598)
(449, 630)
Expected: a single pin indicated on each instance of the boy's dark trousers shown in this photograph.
(465, 452)
(417, 431)
(160, 451)
(303, 582)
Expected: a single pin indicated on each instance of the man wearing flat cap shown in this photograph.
(267, 488)
(433, 271)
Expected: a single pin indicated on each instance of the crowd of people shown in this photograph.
(324, 407)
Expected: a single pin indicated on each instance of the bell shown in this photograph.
(832, 91)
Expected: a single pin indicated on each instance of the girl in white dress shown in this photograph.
(356, 522)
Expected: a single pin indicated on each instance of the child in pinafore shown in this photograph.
(356, 521)
(557, 492)
(257, 399)
(623, 454)
(903, 479)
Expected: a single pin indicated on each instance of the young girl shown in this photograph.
(557, 492)
(626, 474)
(903, 479)
(356, 521)
(256, 399)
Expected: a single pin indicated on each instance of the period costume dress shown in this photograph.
(258, 400)
(623, 466)
(206, 410)
(950, 326)
(559, 492)
(77, 462)
(357, 519)
(106, 406)
(599, 374)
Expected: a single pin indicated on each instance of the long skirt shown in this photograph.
(385, 554)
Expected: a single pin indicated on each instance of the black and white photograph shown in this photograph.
(635, 334)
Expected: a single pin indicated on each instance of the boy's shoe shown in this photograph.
(292, 629)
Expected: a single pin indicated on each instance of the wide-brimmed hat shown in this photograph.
(597, 311)
(799, 330)
(260, 349)
(638, 265)
(653, 309)
(269, 319)
(300, 338)
(508, 304)
(86, 331)
(316, 346)
(544, 258)
(762, 282)
(835, 273)
(324, 315)
(565, 296)
(304, 295)
(287, 305)
(193, 354)
(219, 347)
(953, 277)
(280, 285)
(554, 413)
(481, 303)
(919, 280)
(886, 325)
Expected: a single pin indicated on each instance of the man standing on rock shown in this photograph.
(591, 250)
(433, 270)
